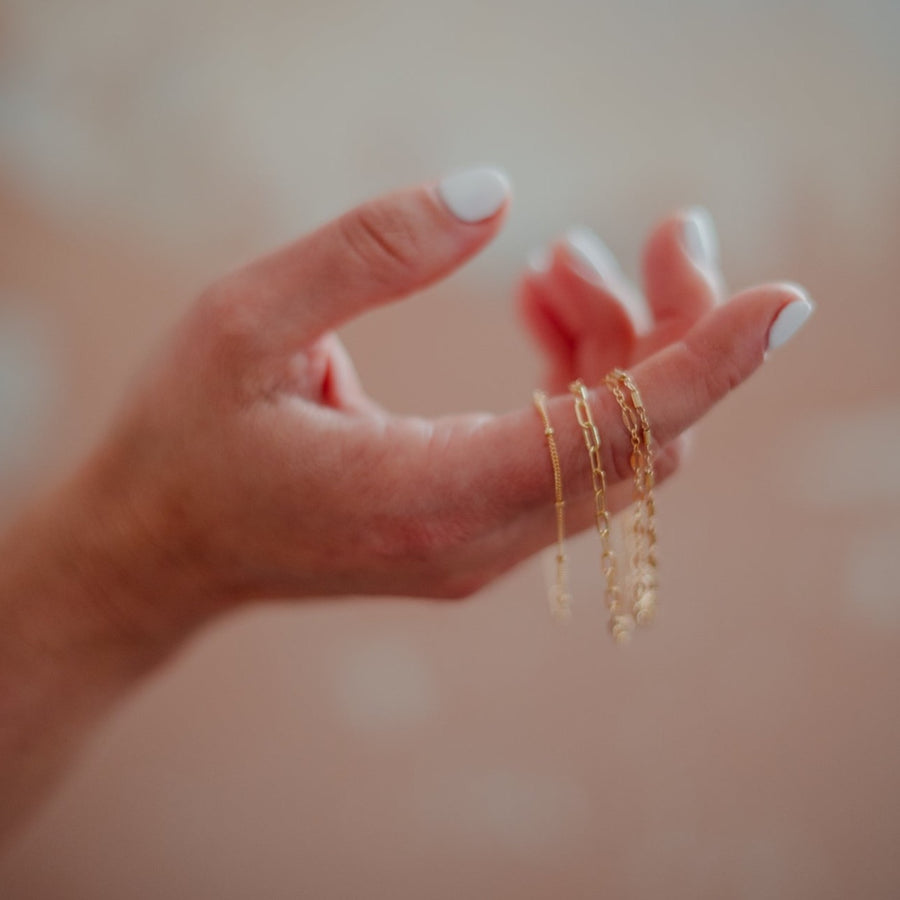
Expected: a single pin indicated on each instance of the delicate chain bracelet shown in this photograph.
(560, 598)
(643, 526)
(621, 623)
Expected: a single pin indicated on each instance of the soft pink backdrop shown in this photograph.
(747, 747)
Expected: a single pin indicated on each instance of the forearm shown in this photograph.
(74, 637)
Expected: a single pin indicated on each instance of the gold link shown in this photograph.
(598, 480)
(560, 598)
(643, 527)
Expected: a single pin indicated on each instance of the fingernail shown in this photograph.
(699, 237)
(791, 317)
(475, 194)
(539, 260)
(589, 256)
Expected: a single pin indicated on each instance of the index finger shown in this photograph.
(678, 385)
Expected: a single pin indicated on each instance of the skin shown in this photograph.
(248, 462)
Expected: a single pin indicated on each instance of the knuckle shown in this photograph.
(383, 239)
(225, 336)
(722, 377)
(716, 374)
(438, 549)
(227, 313)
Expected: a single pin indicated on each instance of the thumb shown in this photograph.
(380, 251)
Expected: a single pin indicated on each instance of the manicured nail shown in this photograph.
(699, 237)
(791, 317)
(590, 257)
(539, 260)
(475, 194)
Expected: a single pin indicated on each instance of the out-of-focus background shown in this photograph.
(748, 746)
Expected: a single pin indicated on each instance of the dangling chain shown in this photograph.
(640, 608)
(642, 533)
(621, 623)
(560, 598)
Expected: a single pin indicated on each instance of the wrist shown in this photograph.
(84, 574)
(73, 636)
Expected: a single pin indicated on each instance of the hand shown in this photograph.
(250, 462)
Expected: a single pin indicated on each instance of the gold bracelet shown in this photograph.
(643, 587)
(621, 623)
(560, 599)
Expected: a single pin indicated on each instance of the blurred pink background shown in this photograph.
(747, 747)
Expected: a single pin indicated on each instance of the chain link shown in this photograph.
(560, 598)
(621, 622)
(642, 535)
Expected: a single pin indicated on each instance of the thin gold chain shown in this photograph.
(621, 623)
(643, 526)
(649, 474)
(560, 599)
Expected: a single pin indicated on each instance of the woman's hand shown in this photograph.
(251, 463)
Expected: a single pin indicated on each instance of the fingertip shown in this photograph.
(771, 296)
(688, 233)
(475, 194)
(587, 255)
(539, 261)
(792, 315)
(680, 266)
(698, 237)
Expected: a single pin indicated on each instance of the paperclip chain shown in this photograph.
(621, 623)
(643, 526)
(560, 599)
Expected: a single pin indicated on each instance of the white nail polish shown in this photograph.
(590, 257)
(475, 194)
(699, 236)
(791, 317)
(539, 260)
